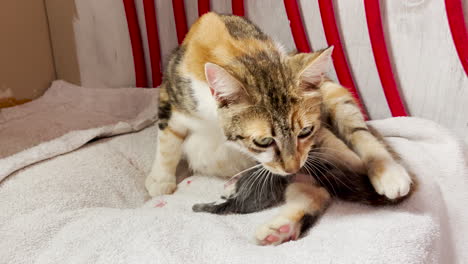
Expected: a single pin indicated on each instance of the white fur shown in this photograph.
(393, 182)
(206, 104)
(208, 153)
(206, 147)
(156, 185)
(229, 190)
(266, 156)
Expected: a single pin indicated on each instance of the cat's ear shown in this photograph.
(312, 67)
(223, 85)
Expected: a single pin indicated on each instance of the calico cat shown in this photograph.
(231, 98)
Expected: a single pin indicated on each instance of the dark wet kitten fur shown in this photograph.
(340, 183)
(248, 199)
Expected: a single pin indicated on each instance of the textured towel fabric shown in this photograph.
(68, 116)
(90, 206)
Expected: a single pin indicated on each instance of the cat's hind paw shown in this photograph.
(279, 230)
(161, 188)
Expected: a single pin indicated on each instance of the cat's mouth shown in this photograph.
(278, 169)
(275, 169)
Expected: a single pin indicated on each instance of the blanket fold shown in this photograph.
(66, 117)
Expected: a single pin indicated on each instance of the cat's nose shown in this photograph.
(292, 166)
(290, 170)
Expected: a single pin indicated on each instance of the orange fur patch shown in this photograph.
(258, 128)
(296, 216)
(215, 45)
(337, 93)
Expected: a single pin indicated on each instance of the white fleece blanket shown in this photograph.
(90, 206)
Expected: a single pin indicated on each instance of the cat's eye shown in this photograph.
(306, 131)
(263, 142)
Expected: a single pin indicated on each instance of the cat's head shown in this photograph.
(269, 105)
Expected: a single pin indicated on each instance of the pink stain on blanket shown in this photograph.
(188, 182)
(160, 204)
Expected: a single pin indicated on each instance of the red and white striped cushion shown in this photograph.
(331, 30)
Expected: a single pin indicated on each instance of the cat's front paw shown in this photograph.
(157, 188)
(279, 230)
(390, 179)
(161, 188)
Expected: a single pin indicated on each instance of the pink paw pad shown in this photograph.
(284, 229)
(272, 238)
(280, 230)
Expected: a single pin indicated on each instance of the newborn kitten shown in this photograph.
(231, 98)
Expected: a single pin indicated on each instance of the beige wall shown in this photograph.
(61, 14)
(26, 62)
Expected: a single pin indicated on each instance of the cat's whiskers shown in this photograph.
(310, 170)
(312, 163)
(266, 181)
(313, 168)
(271, 182)
(262, 184)
(309, 173)
(314, 151)
(319, 160)
(255, 185)
(245, 187)
(254, 182)
(251, 180)
(239, 173)
(335, 177)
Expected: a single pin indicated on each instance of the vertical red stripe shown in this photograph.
(137, 45)
(178, 8)
(297, 29)
(238, 7)
(203, 7)
(153, 41)
(382, 60)
(333, 38)
(459, 31)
